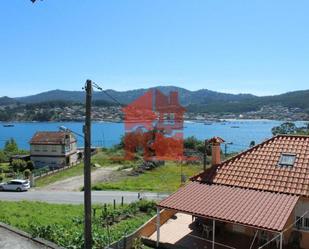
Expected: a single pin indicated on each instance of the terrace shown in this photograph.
(181, 231)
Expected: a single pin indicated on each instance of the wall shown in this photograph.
(47, 150)
(144, 231)
(301, 207)
(73, 159)
(44, 161)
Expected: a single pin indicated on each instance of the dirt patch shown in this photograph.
(76, 182)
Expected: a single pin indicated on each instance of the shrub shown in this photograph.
(146, 206)
(1, 177)
(18, 165)
(27, 173)
(30, 165)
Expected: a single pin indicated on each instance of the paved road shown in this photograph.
(10, 240)
(77, 197)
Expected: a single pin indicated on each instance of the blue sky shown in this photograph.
(260, 47)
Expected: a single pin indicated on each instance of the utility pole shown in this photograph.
(87, 167)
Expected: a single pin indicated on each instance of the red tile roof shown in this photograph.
(258, 168)
(260, 209)
(49, 137)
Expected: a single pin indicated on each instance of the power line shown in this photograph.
(106, 93)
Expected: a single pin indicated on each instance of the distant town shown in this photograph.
(76, 112)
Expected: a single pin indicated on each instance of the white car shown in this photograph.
(15, 185)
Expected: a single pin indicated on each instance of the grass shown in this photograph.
(63, 223)
(61, 175)
(101, 158)
(162, 179)
(4, 166)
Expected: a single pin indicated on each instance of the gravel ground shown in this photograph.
(76, 182)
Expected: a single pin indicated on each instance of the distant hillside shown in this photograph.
(7, 101)
(187, 97)
(195, 101)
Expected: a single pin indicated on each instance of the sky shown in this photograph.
(259, 47)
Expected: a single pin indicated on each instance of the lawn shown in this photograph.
(162, 179)
(63, 224)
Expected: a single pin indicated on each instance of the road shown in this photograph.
(74, 197)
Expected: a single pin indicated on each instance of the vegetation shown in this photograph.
(41, 111)
(291, 129)
(102, 158)
(10, 149)
(63, 224)
(165, 178)
(61, 175)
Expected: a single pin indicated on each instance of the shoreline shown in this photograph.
(122, 121)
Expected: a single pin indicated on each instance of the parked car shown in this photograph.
(15, 185)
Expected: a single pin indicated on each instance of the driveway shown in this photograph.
(75, 183)
(11, 240)
(74, 197)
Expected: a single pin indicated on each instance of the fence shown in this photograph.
(144, 231)
(45, 171)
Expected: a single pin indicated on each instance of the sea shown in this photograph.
(237, 133)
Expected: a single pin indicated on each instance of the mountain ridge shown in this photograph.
(199, 100)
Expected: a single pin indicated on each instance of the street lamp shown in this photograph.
(65, 129)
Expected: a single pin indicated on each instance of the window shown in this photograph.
(287, 159)
(306, 223)
(299, 222)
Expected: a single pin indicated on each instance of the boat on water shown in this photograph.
(8, 125)
(235, 127)
(207, 123)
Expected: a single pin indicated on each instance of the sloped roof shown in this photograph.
(49, 137)
(258, 168)
(260, 209)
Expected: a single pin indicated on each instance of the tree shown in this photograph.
(290, 128)
(252, 144)
(285, 128)
(30, 165)
(3, 157)
(19, 165)
(10, 147)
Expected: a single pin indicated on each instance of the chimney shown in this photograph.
(216, 150)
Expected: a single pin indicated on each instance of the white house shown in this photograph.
(53, 149)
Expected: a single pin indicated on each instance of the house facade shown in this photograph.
(261, 194)
(53, 149)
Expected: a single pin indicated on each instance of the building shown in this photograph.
(53, 149)
(257, 199)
